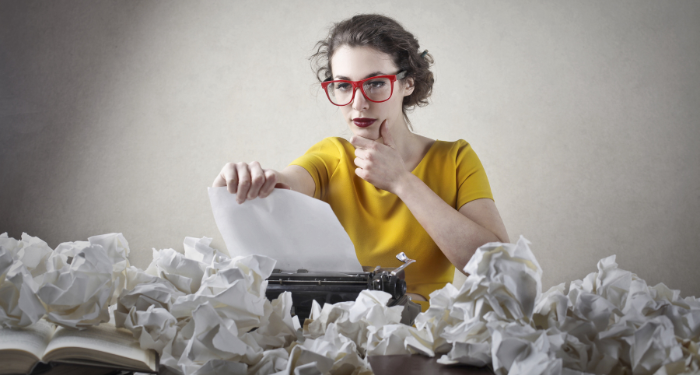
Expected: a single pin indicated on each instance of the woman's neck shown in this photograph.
(411, 146)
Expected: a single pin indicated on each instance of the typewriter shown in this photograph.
(334, 287)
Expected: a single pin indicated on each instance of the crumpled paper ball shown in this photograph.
(33, 253)
(9, 245)
(273, 361)
(280, 328)
(352, 318)
(504, 283)
(42, 281)
(19, 305)
(340, 350)
(392, 339)
(198, 249)
(117, 249)
(213, 339)
(503, 278)
(154, 327)
(22, 267)
(520, 349)
(148, 292)
(185, 274)
(144, 309)
(234, 287)
(185, 270)
(78, 294)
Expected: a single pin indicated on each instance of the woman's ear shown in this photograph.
(408, 86)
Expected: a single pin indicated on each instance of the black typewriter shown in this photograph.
(334, 287)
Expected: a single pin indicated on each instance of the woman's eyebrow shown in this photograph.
(368, 76)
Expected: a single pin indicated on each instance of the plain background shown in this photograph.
(115, 116)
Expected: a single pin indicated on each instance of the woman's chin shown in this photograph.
(368, 133)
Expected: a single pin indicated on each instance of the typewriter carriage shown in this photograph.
(334, 287)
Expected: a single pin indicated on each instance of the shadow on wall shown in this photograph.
(59, 62)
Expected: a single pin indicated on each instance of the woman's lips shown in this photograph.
(363, 122)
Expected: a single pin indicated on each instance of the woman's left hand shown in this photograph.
(379, 163)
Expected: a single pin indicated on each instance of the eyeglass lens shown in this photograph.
(377, 90)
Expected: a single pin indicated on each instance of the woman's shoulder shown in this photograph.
(453, 144)
(452, 154)
(453, 148)
(335, 141)
(332, 144)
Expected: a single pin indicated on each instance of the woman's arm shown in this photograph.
(457, 233)
(298, 179)
(249, 180)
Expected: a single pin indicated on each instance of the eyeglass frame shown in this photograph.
(355, 84)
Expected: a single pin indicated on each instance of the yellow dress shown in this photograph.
(379, 224)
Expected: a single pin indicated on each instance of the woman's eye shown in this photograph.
(375, 84)
(342, 86)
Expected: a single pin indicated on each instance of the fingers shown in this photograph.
(361, 173)
(227, 177)
(361, 163)
(362, 143)
(244, 182)
(219, 181)
(386, 135)
(270, 183)
(363, 158)
(362, 154)
(231, 178)
(257, 178)
(248, 181)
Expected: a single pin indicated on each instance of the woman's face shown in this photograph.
(357, 63)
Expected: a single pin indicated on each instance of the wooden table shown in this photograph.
(381, 365)
(419, 364)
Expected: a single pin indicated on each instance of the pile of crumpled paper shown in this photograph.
(71, 286)
(205, 312)
(611, 322)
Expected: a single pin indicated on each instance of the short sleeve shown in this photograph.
(472, 182)
(320, 161)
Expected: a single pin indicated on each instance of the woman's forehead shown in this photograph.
(357, 63)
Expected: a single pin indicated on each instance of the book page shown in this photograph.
(32, 339)
(102, 343)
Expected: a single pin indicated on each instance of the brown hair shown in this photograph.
(385, 35)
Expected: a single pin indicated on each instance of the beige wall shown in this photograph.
(116, 116)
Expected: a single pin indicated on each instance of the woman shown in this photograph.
(392, 190)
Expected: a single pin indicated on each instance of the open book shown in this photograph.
(99, 346)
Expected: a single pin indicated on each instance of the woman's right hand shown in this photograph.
(248, 180)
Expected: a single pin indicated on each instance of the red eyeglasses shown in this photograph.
(375, 89)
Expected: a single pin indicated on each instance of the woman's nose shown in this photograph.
(359, 102)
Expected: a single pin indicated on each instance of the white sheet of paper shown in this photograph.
(296, 230)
